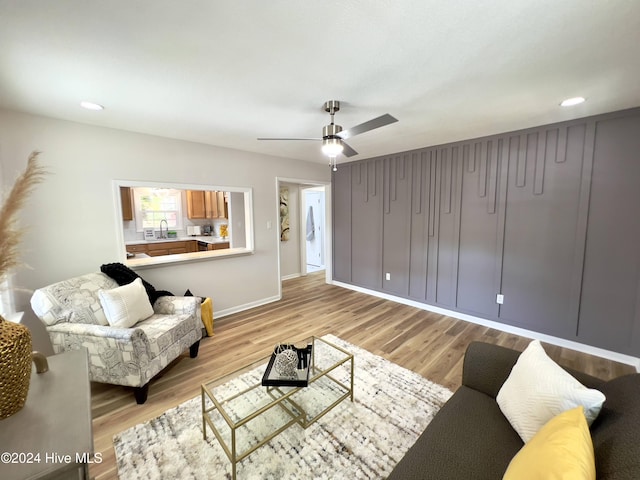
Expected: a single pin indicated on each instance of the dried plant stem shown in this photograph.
(10, 233)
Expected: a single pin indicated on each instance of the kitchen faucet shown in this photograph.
(167, 227)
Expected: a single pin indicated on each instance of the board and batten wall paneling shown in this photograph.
(477, 269)
(397, 174)
(610, 306)
(547, 216)
(444, 274)
(422, 184)
(542, 233)
(366, 228)
(433, 228)
(341, 214)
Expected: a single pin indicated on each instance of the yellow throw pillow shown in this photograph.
(206, 310)
(562, 449)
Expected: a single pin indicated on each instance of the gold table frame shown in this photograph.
(282, 397)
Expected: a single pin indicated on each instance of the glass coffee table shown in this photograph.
(244, 415)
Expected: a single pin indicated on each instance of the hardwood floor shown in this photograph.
(427, 343)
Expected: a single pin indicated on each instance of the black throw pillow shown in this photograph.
(123, 275)
(189, 294)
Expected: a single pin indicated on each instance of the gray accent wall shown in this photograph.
(548, 217)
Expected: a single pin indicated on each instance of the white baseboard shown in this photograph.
(246, 306)
(289, 277)
(561, 342)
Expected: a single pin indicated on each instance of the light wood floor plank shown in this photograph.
(427, 343)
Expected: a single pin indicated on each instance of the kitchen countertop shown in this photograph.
(199, 238)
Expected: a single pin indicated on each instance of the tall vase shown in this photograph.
(15, 366)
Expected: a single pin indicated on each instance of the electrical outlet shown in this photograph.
(387, 276)
(499, 299)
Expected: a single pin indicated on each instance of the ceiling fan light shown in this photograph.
(332, 163)
(332, 147)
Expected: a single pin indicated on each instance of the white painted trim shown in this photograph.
(302, 238)
(276, 227)
(328, 234)
(246, 306)
(290, 276)
(328, 222)
(560, 342)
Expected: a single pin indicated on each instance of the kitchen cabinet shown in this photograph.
(156, 249)
(206, 204)
(138, 248)
(196, 204)
(210, 205)
(218, 246)
(171, 248)
(221, 203)
(126, 201)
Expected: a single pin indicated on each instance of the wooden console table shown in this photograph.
(51, 436)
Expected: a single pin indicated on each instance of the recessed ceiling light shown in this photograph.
(91, 106)
(569, 102)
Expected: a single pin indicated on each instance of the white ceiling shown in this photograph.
(225, 73)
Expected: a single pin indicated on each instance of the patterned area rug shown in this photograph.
(363, 439)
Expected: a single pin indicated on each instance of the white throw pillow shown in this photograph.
(126, 305)
(538, 389)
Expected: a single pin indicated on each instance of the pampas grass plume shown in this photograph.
(10, 232)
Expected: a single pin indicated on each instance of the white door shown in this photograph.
(314, 227)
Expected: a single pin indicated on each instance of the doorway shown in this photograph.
(292, 252)
(314, 235)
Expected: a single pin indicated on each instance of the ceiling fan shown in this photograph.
(333, 136)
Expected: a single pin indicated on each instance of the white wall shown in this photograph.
(72, 220)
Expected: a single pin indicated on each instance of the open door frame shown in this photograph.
(328, 251)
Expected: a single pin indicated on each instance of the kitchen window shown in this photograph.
(153, 205)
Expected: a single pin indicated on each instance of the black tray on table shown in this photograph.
(272, 378)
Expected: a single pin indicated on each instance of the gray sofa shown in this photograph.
(470, 438)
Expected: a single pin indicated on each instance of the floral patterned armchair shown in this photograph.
(73, 316)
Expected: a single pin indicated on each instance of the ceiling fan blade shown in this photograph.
(270, 138)
(347, 151)
(378, 122)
